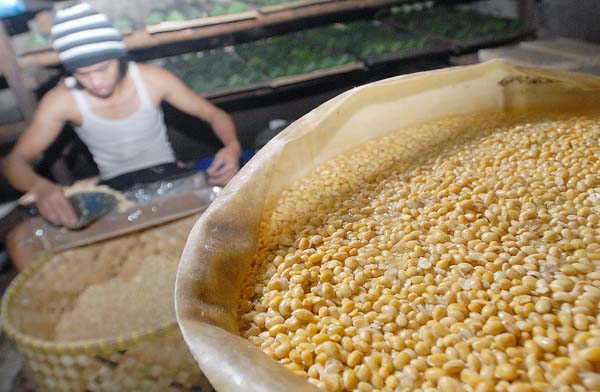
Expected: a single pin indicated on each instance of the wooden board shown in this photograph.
(500, 39)
(529, 58)
(143, 40)
(269, 9)
(465, 59)
(434, 47)
(165, 27)
(588, 53)
(9, 68)
(226, 92)
(293, 79)
(35, 237)
(462, 46)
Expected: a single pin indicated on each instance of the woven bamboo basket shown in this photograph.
(222, 244)
(152, 359)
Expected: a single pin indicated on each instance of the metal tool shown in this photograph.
(90, 206)
(153, 204)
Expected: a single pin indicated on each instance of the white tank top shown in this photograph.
(126, 144)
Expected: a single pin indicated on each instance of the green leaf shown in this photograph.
(194, 13)
(122, 24)
(236, 80)
(217, 10)
(276, 72)
(255, 61)
(236, 7)
(38, 41)
(155, 17)
(175, 16)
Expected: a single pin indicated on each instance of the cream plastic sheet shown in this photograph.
(221, 245)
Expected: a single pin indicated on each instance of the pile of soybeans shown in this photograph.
(469, 264)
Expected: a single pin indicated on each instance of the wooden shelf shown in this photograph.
(439, 47)
(140, 40)
(272, 20)
(168, 27)
(435, 47)
(270, 86)
(500, 39)
(294, 4)
(294, 79)
(253, 89)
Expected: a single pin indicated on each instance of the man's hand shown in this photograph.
(225, 165)
(53, 204)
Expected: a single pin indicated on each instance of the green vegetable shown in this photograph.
(255, 61)
(218, 10)
(122, 24)
(455, 23)
(175, 16)
(273, 2)
(277, 72)
(236, 7)
(155, 17)
(295, 69)
(37, 41)
(344, 59)
(235, 80)
(301, 53)
(329, 62)
(198, 85)
(311, 66)
(194, 13)
(212, 70)
(189, 57)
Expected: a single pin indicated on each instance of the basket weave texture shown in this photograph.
(147, 355)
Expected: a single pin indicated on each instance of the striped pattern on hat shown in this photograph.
(81, 36)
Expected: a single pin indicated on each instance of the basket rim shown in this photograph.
(88, 346)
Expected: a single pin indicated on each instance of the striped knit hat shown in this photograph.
(81, 36)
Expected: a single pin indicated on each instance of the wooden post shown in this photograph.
(527, 15)
(9, 67)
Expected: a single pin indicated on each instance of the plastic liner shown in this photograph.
(144, 193)
(221, 245)
(139, 207)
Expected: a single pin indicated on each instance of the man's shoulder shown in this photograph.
(154, 74)
(59, 101)
(156, 78)
(58, 95)
(151, 70)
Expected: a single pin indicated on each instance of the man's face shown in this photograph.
(99, 79)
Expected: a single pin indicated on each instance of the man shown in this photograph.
(114, 106)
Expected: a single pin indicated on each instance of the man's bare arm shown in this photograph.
(47, 124)
(176, 93)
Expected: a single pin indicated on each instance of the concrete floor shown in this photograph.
(11, 377)
(11, 362)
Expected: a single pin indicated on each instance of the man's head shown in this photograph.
(90, 48)
(99, 79)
